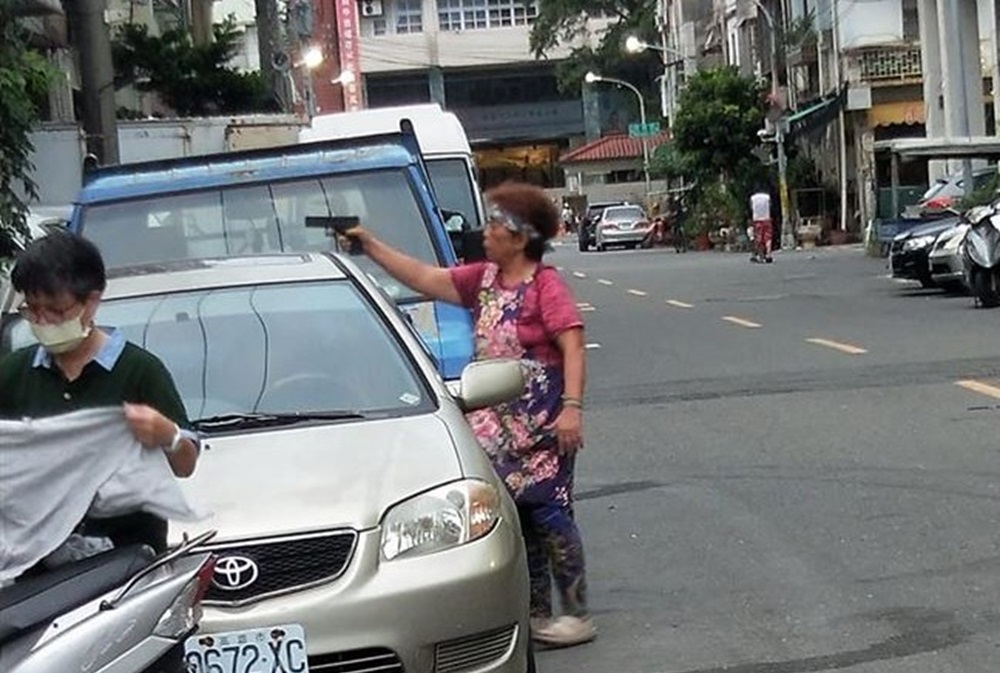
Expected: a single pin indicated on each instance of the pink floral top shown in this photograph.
(536, 329)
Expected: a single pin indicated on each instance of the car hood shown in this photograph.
(932, 228)
(274, 482)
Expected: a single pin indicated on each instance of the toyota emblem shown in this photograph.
(233, 573)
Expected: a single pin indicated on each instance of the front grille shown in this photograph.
(370, 660)
(282, 565)
(472, 652)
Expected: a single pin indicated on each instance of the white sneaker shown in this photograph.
(565, 631)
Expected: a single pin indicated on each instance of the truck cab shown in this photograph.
(256, 202)
(443, 143)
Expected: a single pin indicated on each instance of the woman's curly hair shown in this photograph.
(531, 204)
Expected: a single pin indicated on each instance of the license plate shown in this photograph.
(275, 649)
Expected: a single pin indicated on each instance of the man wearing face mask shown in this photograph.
(78, 366)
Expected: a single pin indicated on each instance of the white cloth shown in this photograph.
(760, 206)
(55, 471)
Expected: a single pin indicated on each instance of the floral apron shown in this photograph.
(515, 435)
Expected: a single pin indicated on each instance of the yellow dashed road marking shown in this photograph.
(741, 322)
(980, 387)
(836, 345)
(679, 304)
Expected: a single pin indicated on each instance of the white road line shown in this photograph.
(593, 346)
(980, 387)
(605, 281)
(559, 268)
(579, 274)
(741, 322)
(679, 304)
(838, 346)
(637, 293)
(585, 308)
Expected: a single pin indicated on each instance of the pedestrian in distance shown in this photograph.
(763, 230)
(523, 309)
(78, 365)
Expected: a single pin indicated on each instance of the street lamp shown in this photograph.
(591, 78)
(634, 45)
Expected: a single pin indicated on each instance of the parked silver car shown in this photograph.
(947, 264)
(354, 507)
(621, 225)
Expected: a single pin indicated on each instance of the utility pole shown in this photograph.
(96, 78)
(787, 234)
(841, 117)
(271, 50)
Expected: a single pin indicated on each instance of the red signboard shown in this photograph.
(350, 53)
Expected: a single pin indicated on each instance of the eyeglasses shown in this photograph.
(48, 314)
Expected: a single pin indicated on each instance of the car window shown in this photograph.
(454, 189)
(934, 190)
(261, 219)
(269, 348)
(626, 213)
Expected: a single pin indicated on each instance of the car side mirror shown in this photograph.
(489, 382)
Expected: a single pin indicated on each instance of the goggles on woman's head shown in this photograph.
(509, 221)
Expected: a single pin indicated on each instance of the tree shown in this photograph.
(564, 22)
(25, 76)
(193, 80)
(717, 120)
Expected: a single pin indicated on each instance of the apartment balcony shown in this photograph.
(885, 65)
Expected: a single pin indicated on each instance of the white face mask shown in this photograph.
(62, 337)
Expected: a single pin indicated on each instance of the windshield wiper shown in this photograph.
(267, 420)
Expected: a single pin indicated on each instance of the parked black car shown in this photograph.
(909, 254)
(585, 235)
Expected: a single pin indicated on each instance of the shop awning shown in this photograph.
(972, 147)
(898, 112)
(815, 117)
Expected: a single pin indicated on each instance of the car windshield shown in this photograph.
(624, 214)
(453, 188)
(934, 190)
(260, 219)
(268, 349)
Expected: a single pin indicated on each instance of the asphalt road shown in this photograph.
(788, 468)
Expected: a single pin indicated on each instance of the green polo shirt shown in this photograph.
(31, 386)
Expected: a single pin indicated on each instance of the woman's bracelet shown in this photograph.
(574, 402)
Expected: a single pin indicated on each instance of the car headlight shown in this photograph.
(952, 244)
(918, 242)
(441, 519)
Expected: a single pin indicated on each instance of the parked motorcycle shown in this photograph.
(981, 255)
(121, 611)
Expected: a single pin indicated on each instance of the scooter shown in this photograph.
(981, 255)
(121, 611)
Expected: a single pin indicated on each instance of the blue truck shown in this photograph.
(256, 202)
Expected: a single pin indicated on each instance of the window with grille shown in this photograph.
(478, 14)
(409, 16)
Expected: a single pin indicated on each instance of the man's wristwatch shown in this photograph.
(175, 443)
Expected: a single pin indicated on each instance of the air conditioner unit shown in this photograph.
(371, 7)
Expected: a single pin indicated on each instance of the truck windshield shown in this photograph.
(453, 188)
(259, 219)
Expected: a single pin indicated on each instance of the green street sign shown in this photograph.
(643, 130)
